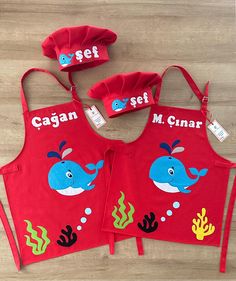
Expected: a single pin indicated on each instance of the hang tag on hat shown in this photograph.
(95, 116)
(218, 131)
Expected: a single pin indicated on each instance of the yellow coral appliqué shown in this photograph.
(201, 227)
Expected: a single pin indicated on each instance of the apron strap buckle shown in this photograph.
(205, 99)
(72, 88)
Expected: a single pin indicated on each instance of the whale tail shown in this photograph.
(200, 173)
(91, 177)
(96, 167)
(125, 100)
(71, 55)
(196, 173)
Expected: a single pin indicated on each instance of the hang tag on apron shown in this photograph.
(95, 116)
(218, 131)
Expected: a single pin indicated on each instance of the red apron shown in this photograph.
(56, 186)
(169, 184)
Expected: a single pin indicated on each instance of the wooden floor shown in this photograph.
(151, 35)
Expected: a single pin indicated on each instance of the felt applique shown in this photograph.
(169, 212)
(118, 105)
(38, 242)
(121, 216)
(169, 174)
(149, 223)
(201, 227)
(68, 238)
(87, 54)
(80, 55)
(172, 121)
(140, 100)
(137, 101)
(83, 220)
(54, 120)
(68, 177)
(65, 60)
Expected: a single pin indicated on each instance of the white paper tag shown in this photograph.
(218, 131)
(96, 117)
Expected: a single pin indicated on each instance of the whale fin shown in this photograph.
(181, 189)
(195, 172)
(91, 187)
(99, 165)
(88, 187)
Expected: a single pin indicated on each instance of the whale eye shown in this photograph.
(69, 174)
(171, 171)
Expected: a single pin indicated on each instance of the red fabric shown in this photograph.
(168, 177)
(80, 47)
(125, 92)
(61, 156)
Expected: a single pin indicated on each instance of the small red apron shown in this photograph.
(169, 184)
(56, 186)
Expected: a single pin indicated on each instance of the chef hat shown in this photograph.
(80, 47)
(125, 92)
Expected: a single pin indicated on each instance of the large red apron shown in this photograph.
(56, 186)
(170, 184)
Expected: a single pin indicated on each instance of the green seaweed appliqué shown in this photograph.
(124, 218)
(40, 245)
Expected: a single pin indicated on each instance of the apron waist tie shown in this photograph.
(111, 239)
(228, 221)
(10, 237)
(139, 244)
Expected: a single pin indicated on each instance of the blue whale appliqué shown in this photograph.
(64, 60)
(118, 105)
(169, 174)
(69, 178)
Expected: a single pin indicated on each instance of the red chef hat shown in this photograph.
(80, 47)
(125, 92)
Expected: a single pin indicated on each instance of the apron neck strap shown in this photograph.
(73, 86)
(202, 97)
(24, 103)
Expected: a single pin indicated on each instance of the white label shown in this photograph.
(218, 131)
(96, 117)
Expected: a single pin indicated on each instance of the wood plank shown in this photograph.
(151, 35)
